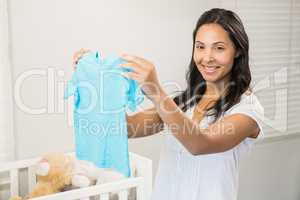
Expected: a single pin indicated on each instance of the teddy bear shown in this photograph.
(59, 172)
(86, 174)
(54, 172)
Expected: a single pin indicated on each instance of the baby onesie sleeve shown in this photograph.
(72, 90)
(134, 95)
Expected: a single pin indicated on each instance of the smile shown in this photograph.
(210, 69)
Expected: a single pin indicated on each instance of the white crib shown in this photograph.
(142, 181)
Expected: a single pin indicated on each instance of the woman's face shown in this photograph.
(214, 53)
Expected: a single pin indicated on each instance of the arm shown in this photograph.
(144, 124)
(218, 137)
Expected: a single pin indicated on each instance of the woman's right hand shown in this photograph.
(77, 55)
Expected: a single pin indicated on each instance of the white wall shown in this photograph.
(6, 101)
(272, 170)
(46, 33)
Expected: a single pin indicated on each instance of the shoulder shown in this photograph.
(250, 106)
(248, 103)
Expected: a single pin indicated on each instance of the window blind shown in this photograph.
(273, 28)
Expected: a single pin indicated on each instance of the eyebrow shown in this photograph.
(213, 43)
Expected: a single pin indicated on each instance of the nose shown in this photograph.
(207, 56)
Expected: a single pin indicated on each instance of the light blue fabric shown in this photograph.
(101, 97)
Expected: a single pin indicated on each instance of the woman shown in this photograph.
(211, 123)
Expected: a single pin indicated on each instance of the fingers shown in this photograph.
(133, 75)
(141, 68)
(77, 55)
(133, 66)
(133, 59)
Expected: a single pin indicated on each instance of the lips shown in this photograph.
(210, 69)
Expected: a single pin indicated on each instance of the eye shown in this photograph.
(199, 46)
(220, 48)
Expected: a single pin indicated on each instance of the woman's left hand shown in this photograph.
(144, 73)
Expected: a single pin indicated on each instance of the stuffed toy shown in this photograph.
(54, 172)
(85, 174)
(59, 172)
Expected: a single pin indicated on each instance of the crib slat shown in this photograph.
(96, 190)
(123, 195)
(104, 196)
(31, 178)
(140, 192)
(14, 182)
(144, 169)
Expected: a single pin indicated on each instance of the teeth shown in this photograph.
(210, 69)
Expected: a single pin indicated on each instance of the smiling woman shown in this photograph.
(215, 58)
(217, 114)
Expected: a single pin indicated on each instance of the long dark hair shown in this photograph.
(240, 76)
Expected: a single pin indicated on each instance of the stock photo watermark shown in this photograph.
(56, 85)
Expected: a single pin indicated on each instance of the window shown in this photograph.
(273, 28)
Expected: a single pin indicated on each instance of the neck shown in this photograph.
(213, 91)
(217, 89)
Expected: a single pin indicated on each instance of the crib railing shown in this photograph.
(142, 181)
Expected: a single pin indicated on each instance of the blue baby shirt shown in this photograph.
(101, 96)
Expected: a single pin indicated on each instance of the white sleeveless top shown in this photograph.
(183, 176)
